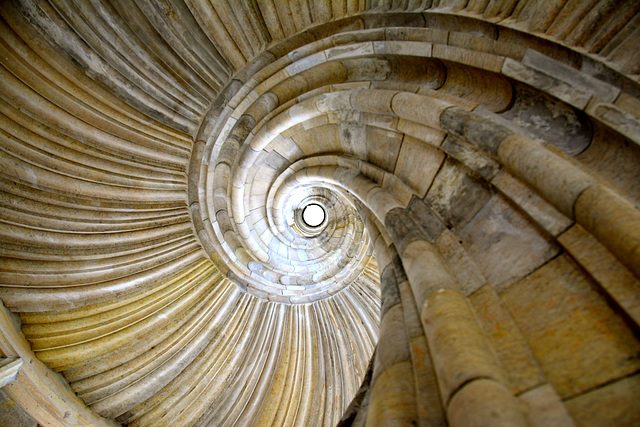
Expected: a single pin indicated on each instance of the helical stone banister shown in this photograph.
(256, 171)
(459, 159)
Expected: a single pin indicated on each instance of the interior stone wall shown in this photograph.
(478, 163)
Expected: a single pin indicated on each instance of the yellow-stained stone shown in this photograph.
(578, 340)
(612, 404)
(511, 348)
(155, 160)
(485, 403)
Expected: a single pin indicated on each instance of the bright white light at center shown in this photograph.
(313, 215)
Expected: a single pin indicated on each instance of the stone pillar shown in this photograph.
(471, 382)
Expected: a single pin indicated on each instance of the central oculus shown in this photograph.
(313, 215)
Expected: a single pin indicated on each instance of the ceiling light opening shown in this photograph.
(313, 215)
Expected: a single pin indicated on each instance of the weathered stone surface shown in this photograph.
(615, 159)
(555, 179)
(616, 118)
(426, 220)
(512, 350)
(532, 204)
(460, 351)
(574, 96)
(550, 120)
(392, 397)
(482, 133)
(612, 404)
(485, 61)
(604, 268)
(428, 401)
(465, 270)
(485, 403)
(12, 414)
(418, 164)
(383, 147)
(456, 195)
(156, 158)
(495, 239)
(426, 271)
(578, 340)
(389, 290)
(607, 215)
(544, 408)
(396, 347)
(570, 75)
(402, 229)
(471, 157)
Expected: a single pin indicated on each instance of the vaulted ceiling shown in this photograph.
(157, 157)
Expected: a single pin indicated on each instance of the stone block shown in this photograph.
(512, 351)
(629, 104)
(460, 350)
(417, 34)
(428, 135)
(578, 340)
(456, 99)
(478, 131)
(426, 271)
(374, 173)
(383, 147)
(465, 270)
(614, 404)
(428, 402)
(373, 101)
(418, 108)
(540, 116)
(353, 139)
(471, 157)
(484, 87)
(485, 403)
(616, 118)
(484, 44)
(604, 268)
(358, 37)
(504, 243)
(532, 204)
(350, 51)
(460, 23)
(389, 19)
(615, 159)
(485, 61)
(389, 122)
(544, 408)
(614, 221)
(389, 290)
(413, 325)
(457, 196)
(394, 347)
(570, 75)
(392, 400)
(406, 48)
(554, 178)
(11, 414)
(417, 164)
(402, 229)
(425, 219)
(380, 201)
(393, 185)
(570, 94)
(367, 69)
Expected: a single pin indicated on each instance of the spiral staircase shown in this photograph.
(477, 168)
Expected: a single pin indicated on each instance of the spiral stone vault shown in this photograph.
(476, 163)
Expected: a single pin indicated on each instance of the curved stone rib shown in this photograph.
(468, 243)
